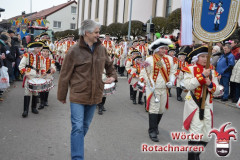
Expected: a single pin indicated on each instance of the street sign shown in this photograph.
(215, 20)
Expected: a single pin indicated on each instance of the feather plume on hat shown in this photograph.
(159, 43)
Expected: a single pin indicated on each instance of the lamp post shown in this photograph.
(130, 19)
(30, 6)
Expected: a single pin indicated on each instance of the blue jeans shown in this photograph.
(224, 81)
(81, 117)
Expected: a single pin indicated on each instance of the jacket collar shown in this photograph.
(83, 44)
(225, 55)
(200, 66)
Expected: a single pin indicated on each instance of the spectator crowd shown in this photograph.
(226, 60)
(11, 51)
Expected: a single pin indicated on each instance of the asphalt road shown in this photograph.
(116, 135)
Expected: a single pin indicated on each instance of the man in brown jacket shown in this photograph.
(82, 70)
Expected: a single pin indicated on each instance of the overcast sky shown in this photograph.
(15, 7)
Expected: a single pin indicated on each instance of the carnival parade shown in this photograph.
(92, 93)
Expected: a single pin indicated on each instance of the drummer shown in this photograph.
(179, 74)
(101, 106)
(129, 64)
(31, 66)
(50, 68)
(135, 71)
(172, 53)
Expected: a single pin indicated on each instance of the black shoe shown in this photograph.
(134, 101)
(35, 111)
(131, 97)
(104, 109)
(25, 114)
(100, 110)
(41, 106)
(234, 101)
(46, 98)
(179, 99)
(153, 136)
(140, 102)
(153, 127)
(26, 106)
(34, 105)
(169, 91)
(224, 100)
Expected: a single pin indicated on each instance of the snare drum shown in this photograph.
(109, 89)
(37, 85)
(49, 83)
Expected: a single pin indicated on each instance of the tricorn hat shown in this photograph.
(35, 44)
(193, 55)
(185, 50)
(135, 51)
(46, 47)
(159, 43)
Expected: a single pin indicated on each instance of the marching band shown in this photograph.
(152, 70)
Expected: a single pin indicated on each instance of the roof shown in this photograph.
(25, 15)
(46, 12)
(16, 17)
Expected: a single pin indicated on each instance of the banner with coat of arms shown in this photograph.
(215, 20)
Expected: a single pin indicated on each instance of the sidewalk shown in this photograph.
(227, 103)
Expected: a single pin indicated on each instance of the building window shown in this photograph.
(73, 26)
(56, 24)
(74, 10)
(89, 9)
(168, 7)
(97, 9)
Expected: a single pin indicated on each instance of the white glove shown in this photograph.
(169, 84)
(149, 85)
(172, 78)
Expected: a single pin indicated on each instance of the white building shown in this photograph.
(61, 17)
(111, 11)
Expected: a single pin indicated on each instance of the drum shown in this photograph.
(49, 83)
(37, 85)
(109, 89)
(140, 86)
(221, 92)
